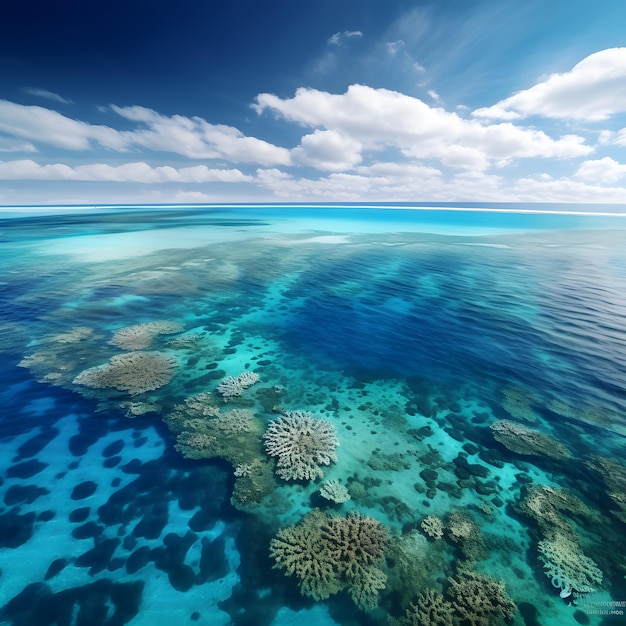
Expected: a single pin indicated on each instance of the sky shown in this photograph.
(201, 101)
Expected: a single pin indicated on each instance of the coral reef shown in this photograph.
(301, 443)
(550, 508)
(567, 567)
(194, 445)
(141, 336)
(463, 530)
(133, 372)
(334, 491)
(328, 554)
(526, 441)
(414, 563)
(519, 403)
(480, 600)
(431, 609)
(432, 526)
(613, 476)
(235, 421)
(232, 387)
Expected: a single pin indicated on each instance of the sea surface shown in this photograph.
(265, 416)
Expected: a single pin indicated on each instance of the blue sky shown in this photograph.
(314, 100)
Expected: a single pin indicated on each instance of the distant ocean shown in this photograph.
(274, 415)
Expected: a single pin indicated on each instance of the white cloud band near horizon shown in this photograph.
(365, 143)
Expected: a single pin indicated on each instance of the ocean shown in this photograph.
(340, 415)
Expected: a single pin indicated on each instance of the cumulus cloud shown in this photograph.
(604, 170)
(380, 118)
(48, 95)
(593, 90)
(327, 150)
(139, 172)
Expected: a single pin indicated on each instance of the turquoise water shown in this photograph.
(470, 365)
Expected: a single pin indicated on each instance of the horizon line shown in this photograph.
(330, 205)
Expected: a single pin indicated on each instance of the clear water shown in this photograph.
(411, 332)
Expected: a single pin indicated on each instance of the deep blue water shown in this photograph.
(411, 332)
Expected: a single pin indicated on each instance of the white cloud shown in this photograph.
(198, 139)
(48, 95)
(327, 150)
(139, 172)
(194, 137)
(41, 125)
(434, 95)
(593, 90)
(620, 138)
(339, 37)
(604, 170)
(11, 144)
(380, 118)
(564, 190)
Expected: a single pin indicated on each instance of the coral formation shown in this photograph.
(431, 609)
(480, 600)
(526, 441)
(141, 336)
(567, 567)
(301, 444)
(550, 507)
(432, 526)
(463, 530)
(133, 372)
(232, 387)
(334, 491)
(194, 445)
(328, 554)
(519, 403)
(235, 421)
(613, 476)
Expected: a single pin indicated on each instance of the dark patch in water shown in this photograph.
(84, 490)
(36, 444)
(23, 494)
(113, 448)
(98, 558)
(57, 566)
(102, 603)
(27, 469)
(15, 529)
(79, 515)
(87, 531)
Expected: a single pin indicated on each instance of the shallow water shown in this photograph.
(412, 333)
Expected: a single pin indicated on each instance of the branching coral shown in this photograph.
(134, 372)
(567, 567)
(194, 445)
(432, 526)
(334, 491)
(141, 336)
(328, 554)
(232, 387)
(431, 609)
(301, 443)
(526, 441)
(235, 421)
(480, 600)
